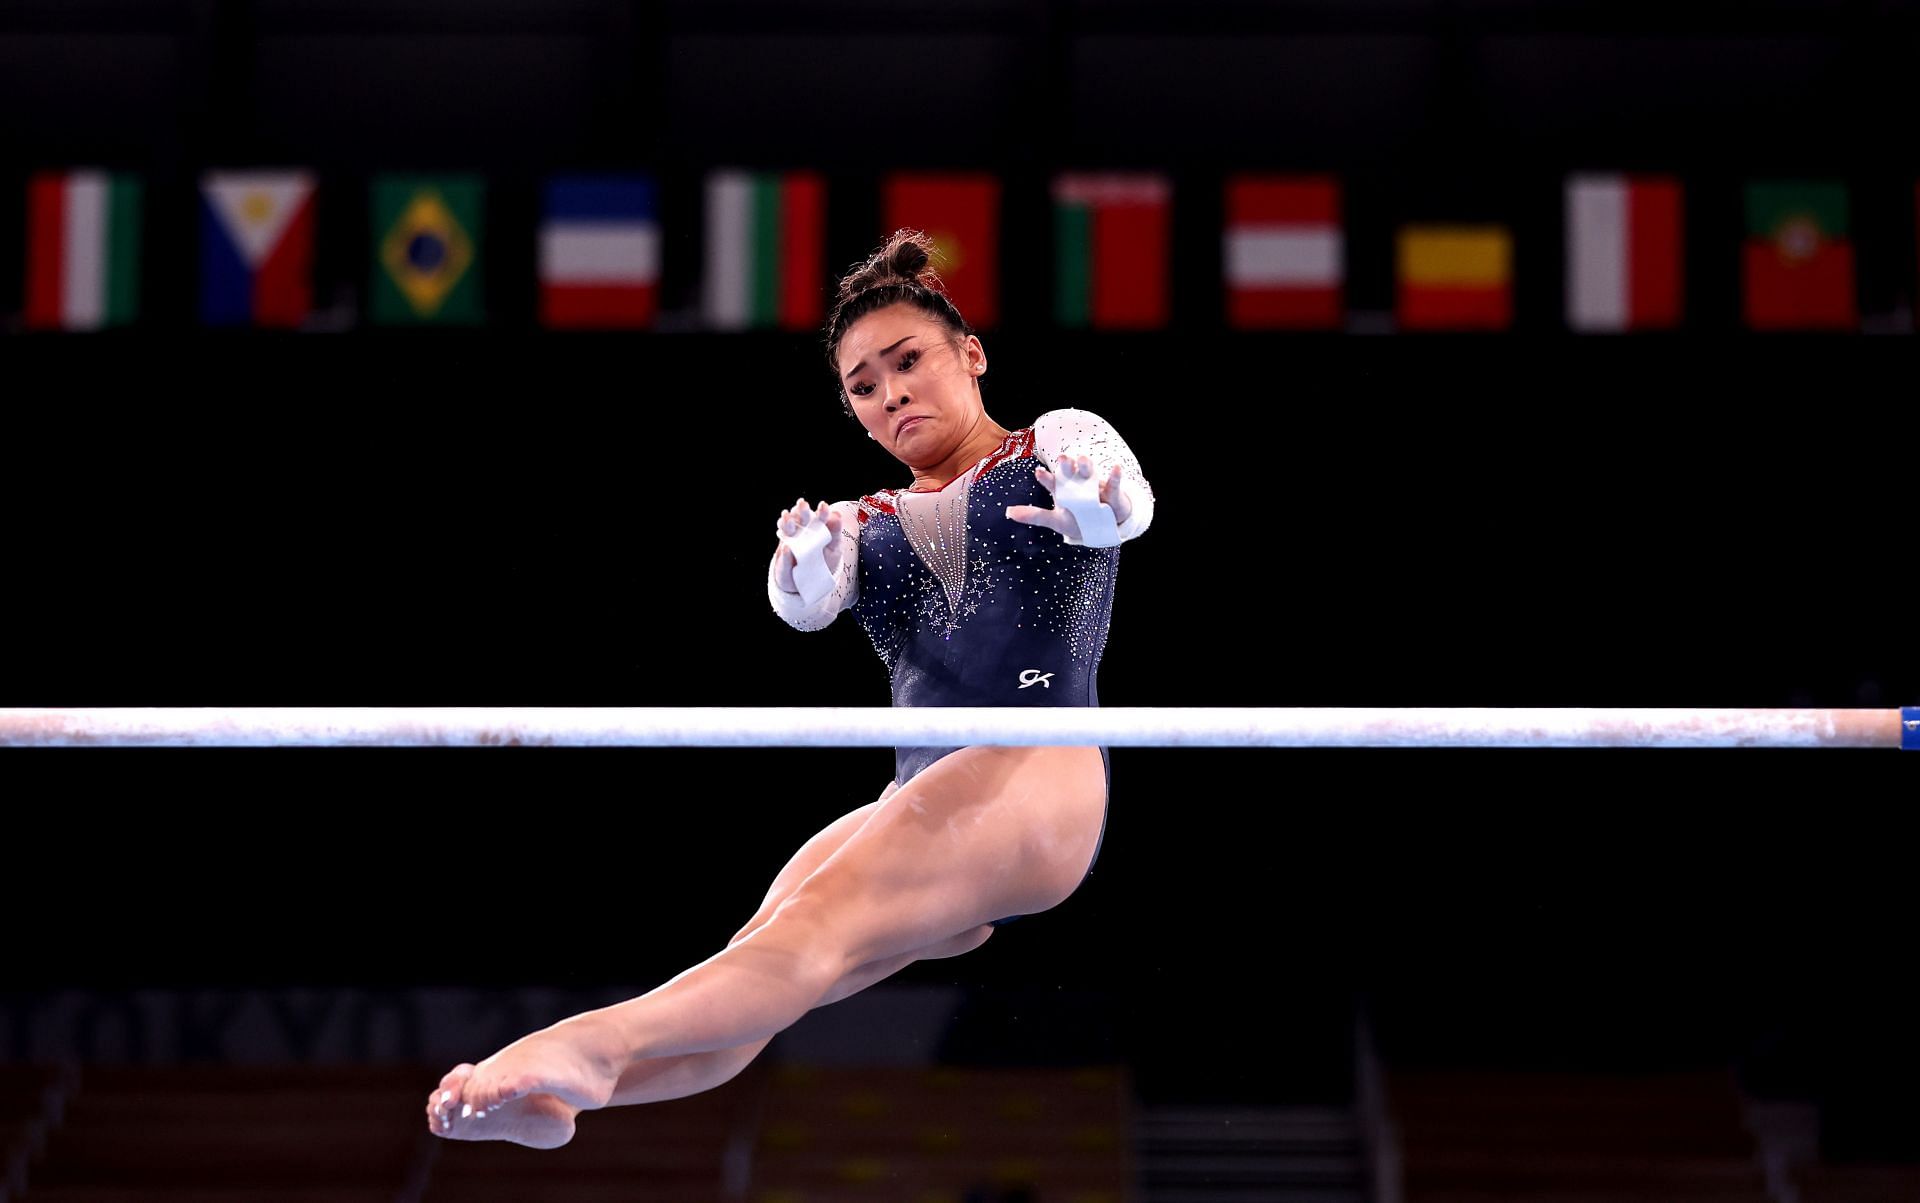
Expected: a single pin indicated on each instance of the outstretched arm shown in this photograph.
(1101, 497)
(838, 573)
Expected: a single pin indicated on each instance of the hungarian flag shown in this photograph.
(1799, 259)
(1455, 278)
(426, 249)
(1623, 252)
(599, 253)
(1110, 250)
(1285, 252)
(766, 249)
(256, 248)
(961, 211)
(83, 250)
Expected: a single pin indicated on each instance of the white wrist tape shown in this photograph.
(810, 572)
(1081, 498)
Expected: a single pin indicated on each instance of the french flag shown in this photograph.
(256, 248)
(599, 253)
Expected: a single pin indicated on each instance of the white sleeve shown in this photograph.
(846, 586)
(1080, 432)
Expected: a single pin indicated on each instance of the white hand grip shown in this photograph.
(1081, 498)
(810, 572)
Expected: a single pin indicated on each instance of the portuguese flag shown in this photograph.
(766, 249)
(83, 250)
(961, 211)
(1110, 250)
(1799, 259)
(426, 249)
(1455, 278)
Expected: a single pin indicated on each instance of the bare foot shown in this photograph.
(577, 1060)
(539, 1121)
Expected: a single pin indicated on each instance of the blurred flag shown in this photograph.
(256, 247)
(1455, 278)
(961, 211)
(599, 253)
(1285, 252)
(1623, 252)
(426, 249)
(1799, 259)
(766, 249)
(1110, 250)
(83, 250)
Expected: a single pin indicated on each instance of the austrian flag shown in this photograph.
(1285, 253)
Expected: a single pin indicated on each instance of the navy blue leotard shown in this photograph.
(968, 607)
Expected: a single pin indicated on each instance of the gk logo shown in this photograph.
(1033, 676)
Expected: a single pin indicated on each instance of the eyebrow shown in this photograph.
(884, 352)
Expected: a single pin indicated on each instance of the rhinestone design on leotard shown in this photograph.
(968, 607)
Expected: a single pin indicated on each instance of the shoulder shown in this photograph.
(870, 506)
(1060, 428)
(1070, 421)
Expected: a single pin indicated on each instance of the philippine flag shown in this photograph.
(599, 253)
(256, 248)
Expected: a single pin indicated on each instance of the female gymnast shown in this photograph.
(974, 594)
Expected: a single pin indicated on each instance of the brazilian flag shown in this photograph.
(426, 249)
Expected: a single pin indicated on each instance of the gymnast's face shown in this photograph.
(909, 385)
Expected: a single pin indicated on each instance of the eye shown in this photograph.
(906, 362)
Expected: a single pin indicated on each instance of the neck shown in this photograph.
(980, 442)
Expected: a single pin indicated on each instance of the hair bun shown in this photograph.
(907, 255)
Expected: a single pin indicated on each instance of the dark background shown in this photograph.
(509, 517)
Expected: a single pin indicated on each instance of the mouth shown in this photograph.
(903, 427)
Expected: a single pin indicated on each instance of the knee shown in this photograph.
(801, 926)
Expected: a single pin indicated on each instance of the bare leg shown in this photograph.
(543, 1121)
(983, 832)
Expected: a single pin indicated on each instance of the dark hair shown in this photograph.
(899, 271)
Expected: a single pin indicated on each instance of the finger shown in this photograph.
(1045, 477)
(1034, 515)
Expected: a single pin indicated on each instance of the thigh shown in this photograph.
(982, 833)
(816, 850)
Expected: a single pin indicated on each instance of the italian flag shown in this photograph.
(1110, 250)
(961, 211)
(1799, 260)
(1455, 278)
(83, 250)
(1623, 252)
(766, 249)
(1285, 254)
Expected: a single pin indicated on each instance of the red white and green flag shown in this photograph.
(1111, 249)
(766, 250)
(1284, 253)
(83, 250)
(1623, 252)
(961, 212)
(1799, 258)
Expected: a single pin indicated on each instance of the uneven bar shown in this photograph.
(938, 726)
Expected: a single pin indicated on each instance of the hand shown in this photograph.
(1073, 469)
(790, 523)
